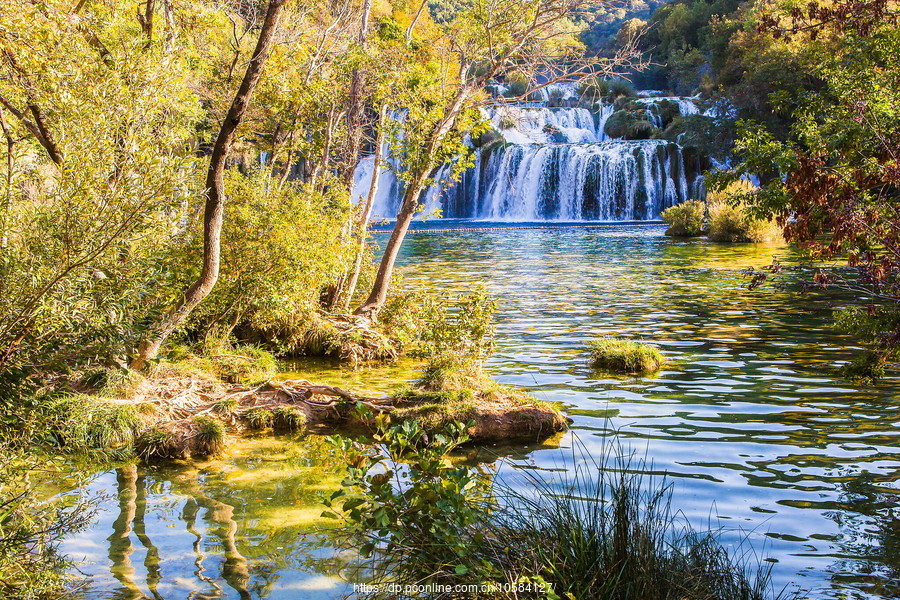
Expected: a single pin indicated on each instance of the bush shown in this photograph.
(686, 219)
(288, 418)
(730, 218)
(259, 418)
(625, 356)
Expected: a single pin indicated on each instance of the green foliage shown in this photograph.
(600, 531)
(625, 356)
(259, 418)
(82, 423)
(732, 220)
(209, 436)
(685, 219)
(412, 507)
(463, 328)
(630, 125)
(873, 326)
(226, 407)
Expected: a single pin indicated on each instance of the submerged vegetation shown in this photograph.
(604, 530)
(625, 356)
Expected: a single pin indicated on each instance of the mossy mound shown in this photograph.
(630, 125)
(625, 356)
(453, 389)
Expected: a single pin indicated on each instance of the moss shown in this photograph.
(259, 418)
(289, 418)
(625, 356)
(209, 437)
(686, 219)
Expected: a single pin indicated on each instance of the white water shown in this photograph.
(554, 163)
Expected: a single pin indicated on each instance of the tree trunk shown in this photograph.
(354, 117)
(215, 200)
(379, 291)
(410, 202)
(362, 226)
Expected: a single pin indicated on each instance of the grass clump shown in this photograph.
(209, 437)
(686, 219)
(226, 407)
(158, 443)
(82, 422)
(625, 356)
(259, 418)
(288, 418)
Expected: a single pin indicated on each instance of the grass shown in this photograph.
(608, 531)
(209, 437)
(259, 418)
(686, 219)
(625, 356)
(83, 422)
(157, 443)
(289, 418)
(601, 530)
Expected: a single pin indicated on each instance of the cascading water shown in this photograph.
(555, 163)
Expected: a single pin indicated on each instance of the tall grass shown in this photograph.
(604, 530)
(608, 531)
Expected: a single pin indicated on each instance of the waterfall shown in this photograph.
(555, 164)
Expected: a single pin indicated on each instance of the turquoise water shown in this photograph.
(757, 434)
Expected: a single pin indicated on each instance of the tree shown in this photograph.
(834, 184)
(481, 41)
(215, 201)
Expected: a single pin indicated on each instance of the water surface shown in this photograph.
(747, 418)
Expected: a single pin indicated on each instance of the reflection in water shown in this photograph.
(747, 418)
(246, 526)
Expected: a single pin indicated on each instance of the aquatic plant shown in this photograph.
(625, 356)
(685, 219)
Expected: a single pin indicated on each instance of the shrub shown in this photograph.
(625, 356)
(730, 219)
(685, 219)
